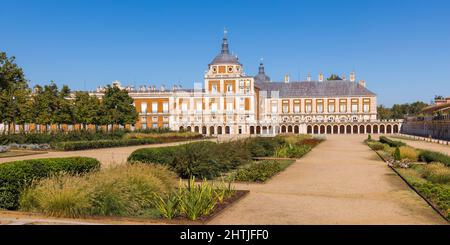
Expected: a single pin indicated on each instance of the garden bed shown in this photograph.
(429, 179)
(39, 219)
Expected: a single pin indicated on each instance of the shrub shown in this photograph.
(298, 151)
(391, 143)
(83, 145)
(196, 200)
(126, 190)
(376, 146)
(15, 176)
(369, 137)
(397, 155)
(431, 156)
(201, 159)
(408, 153)
(437, 193)
(263, 147)
(258, 171)
(436, 173)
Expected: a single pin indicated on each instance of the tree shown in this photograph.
(400, 111)
(46, 104)
(14, 92)
(86, 109)
(64, 112)
(117, 107)
(334, 77)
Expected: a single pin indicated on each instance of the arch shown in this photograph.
(219, 130)
(211, 130)
(204, 130)
(283, 129)
(375, 129)
(181, 129)
(382, 129)
(309, 129)
(342, 129)
(389, 129)
(322, 129)
(289, 129)
(258, 129)
(316, 129)
(277, 129)
(189, 129)
(369, 129)
(227, 129)
(264, 129)
(196, 129)
(395, 129)
(348, 129)
(362, 129)
(252, 129)
(335, 129)
(329, 129)
(355, 129)
(296, 129)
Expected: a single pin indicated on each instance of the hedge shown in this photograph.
(83, 145)
(202, 159)
(431, 156)
(15, 176)
(391, 143)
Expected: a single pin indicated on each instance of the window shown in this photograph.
(143, 122)
(215, 69)
(355, 105)
(154, 119)
(214, 107)
(297, 108)
(214, 88)
(343, 106)
(241, 104)
(229, 105)
(241, 83)
(165, 125)
(144, 126)
(184, 107)
(308, 107)
(230, 69)
(154, 107)
(165, 107)
(366, 108)
(154, 125)
(144, 107)
(274, 107)
(229, 88)
(331, 108)
(285, 108)
(199, 106)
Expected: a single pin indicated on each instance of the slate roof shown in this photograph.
(315, 89)
(225, 57)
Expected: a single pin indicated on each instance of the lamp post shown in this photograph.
(14, 114)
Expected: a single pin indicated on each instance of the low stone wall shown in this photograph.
(436, 129)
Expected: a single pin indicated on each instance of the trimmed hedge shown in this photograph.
(15, 176)
(391, 143)
(83, 145)
(202, 159)
(431, 156)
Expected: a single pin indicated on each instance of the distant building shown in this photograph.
(232, 102)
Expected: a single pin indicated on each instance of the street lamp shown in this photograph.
(14, 114)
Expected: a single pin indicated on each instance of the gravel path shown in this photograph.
(340, 182)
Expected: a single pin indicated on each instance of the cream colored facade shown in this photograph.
(231, 102)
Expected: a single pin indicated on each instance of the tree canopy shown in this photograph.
(400, 111)
(334, 77)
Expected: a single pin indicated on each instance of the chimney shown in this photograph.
(163, 88)
(174, 88)
(352, 76)
(362, 83)
(308, 78)
(321, 77)
(343, 77)
(286, 78)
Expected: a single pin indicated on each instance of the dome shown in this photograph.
(262, 77)
(225, 57)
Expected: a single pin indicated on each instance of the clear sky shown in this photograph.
(400, 48)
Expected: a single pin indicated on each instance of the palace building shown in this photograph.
(231, 102)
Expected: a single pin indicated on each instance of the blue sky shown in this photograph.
(400, 48)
